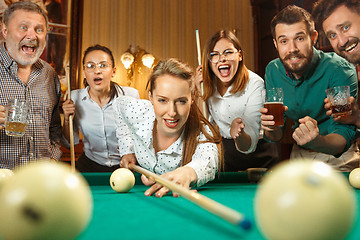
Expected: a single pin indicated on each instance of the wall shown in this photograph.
(165, 28)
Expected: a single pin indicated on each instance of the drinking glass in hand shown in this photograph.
(16, 117)
(340, 100)
(274, 98)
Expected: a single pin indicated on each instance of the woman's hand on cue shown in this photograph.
(198, 78)
(68, 108)
(127, 159)
(183, 176)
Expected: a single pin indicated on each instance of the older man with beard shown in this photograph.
(305, 73)
(24, 76)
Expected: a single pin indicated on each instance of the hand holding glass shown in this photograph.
(16, 117)
(340, 100)
(274, 98)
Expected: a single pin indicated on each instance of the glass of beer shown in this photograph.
(16, 117)
(340, 100)
(274, 98)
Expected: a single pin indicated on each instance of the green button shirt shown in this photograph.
(305, 96)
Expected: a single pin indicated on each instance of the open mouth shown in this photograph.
(294, 59)
(351, 47)
(97, 80)
(28, 49)
(224, 70)
(171, 123)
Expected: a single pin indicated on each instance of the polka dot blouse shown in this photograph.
(137, 116)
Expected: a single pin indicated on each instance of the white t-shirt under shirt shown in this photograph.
(139, 117)
(245, 104)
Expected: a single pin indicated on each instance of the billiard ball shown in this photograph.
(5, 174)
(44, 200)
(122, 180)
(354, 178)
(305, 199)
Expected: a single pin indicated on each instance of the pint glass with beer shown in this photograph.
(16, 117)
(274, 98)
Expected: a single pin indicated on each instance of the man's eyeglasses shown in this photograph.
(91, 66)
(228, 54)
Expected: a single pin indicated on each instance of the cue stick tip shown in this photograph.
(245, 224)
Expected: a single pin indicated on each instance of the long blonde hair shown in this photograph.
(196, 121)
(241, 77)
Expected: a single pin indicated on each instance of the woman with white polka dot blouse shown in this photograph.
(169, 134)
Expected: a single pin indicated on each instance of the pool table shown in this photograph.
(134, 216)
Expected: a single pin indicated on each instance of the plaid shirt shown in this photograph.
(42, 136)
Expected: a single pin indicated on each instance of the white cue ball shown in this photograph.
(354, 178)
(305, 200)
(122, 180)
(5, 174)
(44, 200)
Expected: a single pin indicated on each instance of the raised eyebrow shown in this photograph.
(328, 33)
(213, 52)
(182, 98)
(296, 34)
(281, 36)
(26, 23)
(339, 26)
(40, 26)
(160, 96)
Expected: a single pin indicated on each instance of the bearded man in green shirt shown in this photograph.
(340, 22)
(304, 73)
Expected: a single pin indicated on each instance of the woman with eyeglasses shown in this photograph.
(233, 96)
(93, 112)
(170, 135)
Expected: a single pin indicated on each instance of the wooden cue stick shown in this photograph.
(72, 151)
(199, 62)
(208, 204)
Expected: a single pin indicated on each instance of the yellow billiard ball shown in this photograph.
(122, 180)
(5, 174)
(354, 178)
(305, 200)
(44, 201)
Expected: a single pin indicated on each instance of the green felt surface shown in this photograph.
(135, 216)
